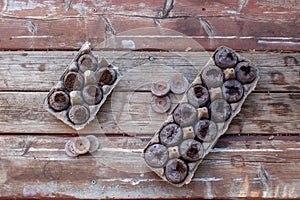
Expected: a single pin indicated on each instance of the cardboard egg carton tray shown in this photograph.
(82, 89)
(175, 161)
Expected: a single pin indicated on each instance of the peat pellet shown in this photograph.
(178, 84)
(156, 155)
(87, 62)
(191, 150)
(106, 76)
(206, 130)
(212, 76)
(185, 114)
(160, 88)
(170, 135)
(78, 114)
(92, 94)
(233, 91)
(245, 72)
(94, 143)
(80, 145)
(59, 100)
(160, 104)
(220, 110)
(176, 171)
(73, 81)
(225, 58)
(198, 95)
(69, 149)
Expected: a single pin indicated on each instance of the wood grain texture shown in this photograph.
(258, 157)
(130, 113)
(279, 71)
(51, 9)
(240, 24)
(36, 166)
(26, 78)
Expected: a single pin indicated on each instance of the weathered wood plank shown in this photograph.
(279, 71)
(264, 9)
(143, 32)
(240, 24)
(49, 34)
(209, 32)
(35, 166)
(66, 9)
(130, 113)
(270, 9)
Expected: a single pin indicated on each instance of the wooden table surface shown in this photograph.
(258, 157)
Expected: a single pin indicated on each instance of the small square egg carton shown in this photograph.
(179, 146)
(82, 89)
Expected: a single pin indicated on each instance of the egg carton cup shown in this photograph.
(77, 102)
(189, 132)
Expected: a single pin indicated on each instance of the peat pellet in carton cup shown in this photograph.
(82, 89)
(207, 108)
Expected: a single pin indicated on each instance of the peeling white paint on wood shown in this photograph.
(4, 5)
(128, 44)
(277, 42)
(47, 190)
(209, 36)
(128, 180)
(209, 193)
(278, 38)
(32, 27)
(14, 5)
(281, 13)
(121, 150)
(207, 26)
(242, 4)
(231, 12)
(142, 4)
(293, 149)
(33, 149)
(222, 150)
(210, 179)
(31, 36)
(81, 8)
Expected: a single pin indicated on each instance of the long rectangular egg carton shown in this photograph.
(207, 108)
